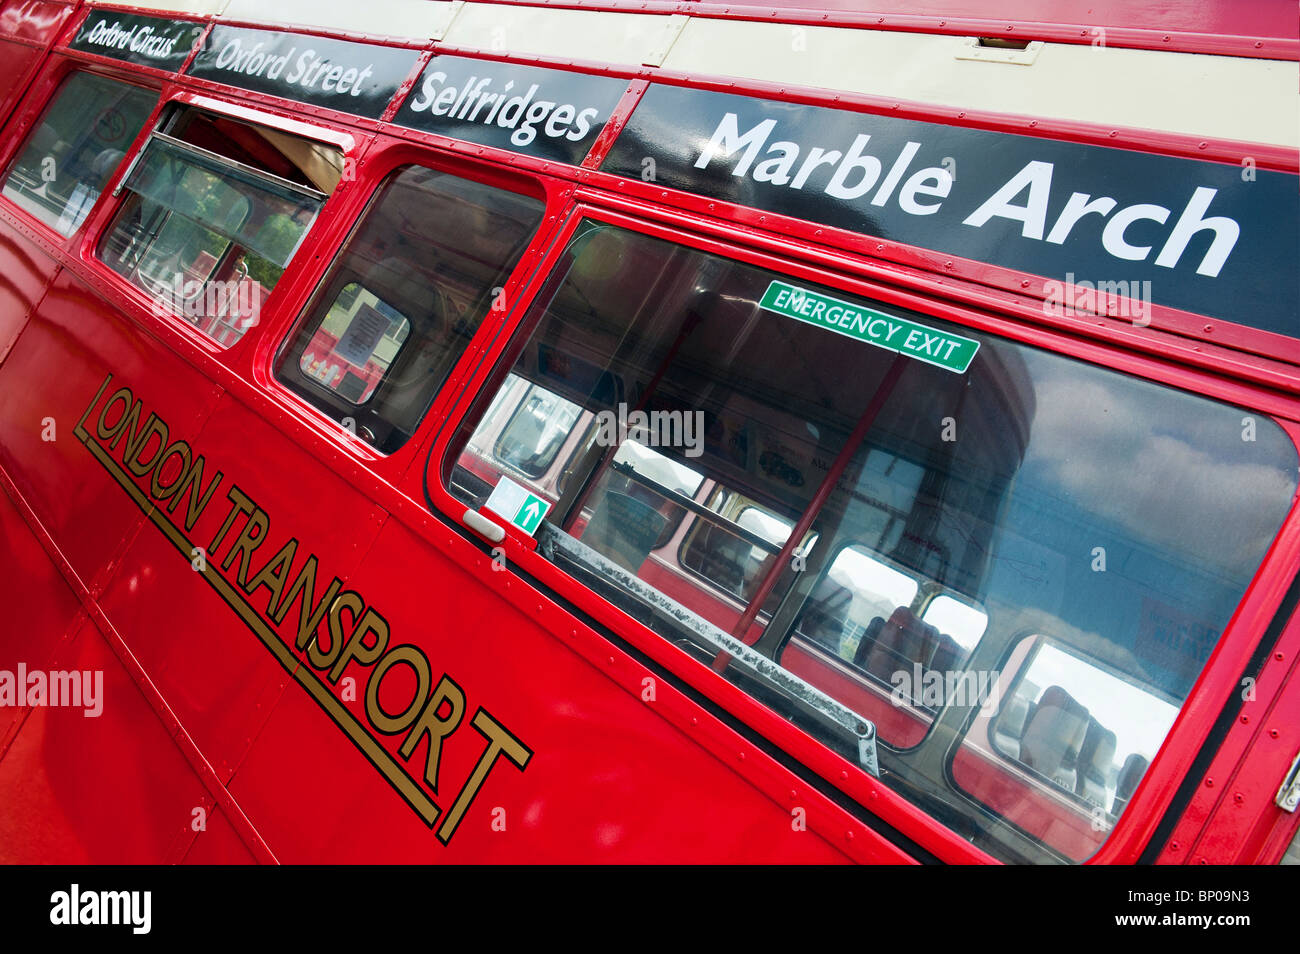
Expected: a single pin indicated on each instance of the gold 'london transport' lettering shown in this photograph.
(291, 606)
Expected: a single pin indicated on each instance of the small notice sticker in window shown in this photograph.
(523, 508)
(359, 341)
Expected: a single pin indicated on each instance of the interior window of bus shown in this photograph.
(533, 435)
(215, 210)
(79, 142)
(956, 514)
(733, 550)
(414, 281)
(355, 344)
(1089, 731)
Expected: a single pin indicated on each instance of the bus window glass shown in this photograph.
(733, 549)
(414, 281)
(1292, 856)
(535, 431)
(1003, 569)
(215, 210)
(355, 344)
(1088, 732)
(79, 142)
(965, 624)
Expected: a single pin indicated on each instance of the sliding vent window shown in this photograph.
(76, 147)
(215, 210)
(990, 573)
(408, 292)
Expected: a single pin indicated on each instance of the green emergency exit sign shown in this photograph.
(940, 348)
(530, 514)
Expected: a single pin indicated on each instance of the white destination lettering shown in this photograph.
(854, 173)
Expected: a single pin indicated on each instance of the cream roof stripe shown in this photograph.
(402, 19)
(194, 8)
(1220, 97)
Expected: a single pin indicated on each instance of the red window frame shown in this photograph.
(1207, 697)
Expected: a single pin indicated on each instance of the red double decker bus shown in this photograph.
(597, 431)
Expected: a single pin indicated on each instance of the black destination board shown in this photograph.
(1212, 238)
(357, 78)
(551, 114)
(147, 41)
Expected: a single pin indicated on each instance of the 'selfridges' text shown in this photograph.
(474, 103)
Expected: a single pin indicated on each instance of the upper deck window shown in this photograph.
(79, 142)
(1015, 572)
(216, 210)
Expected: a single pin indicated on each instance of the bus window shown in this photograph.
(867, 615)
(859, 592)
(1292, 856)
(1020, 606)
(405, 296)
(963, 623)
(215, 210)
(79, 142)
(1088, 731)
(533, 435)
(360, 331)
(733, 550)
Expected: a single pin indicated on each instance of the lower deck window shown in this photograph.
(420, 272)
(1014, 572)
(215, 210)
(77, 145)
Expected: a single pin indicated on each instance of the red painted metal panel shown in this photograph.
(25, 274)
(52, 373)
(48, 607)
(224, 691)
(1232, 816)
(17, 62)
(583, 793)
(218, 843)
(596, 741)
(109, 789)
(36, 21)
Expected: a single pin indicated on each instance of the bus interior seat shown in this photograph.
(902, 642)
(824, 620)
(1010, 726)
(1054, 733)
(722, 558)
(1096, 756)
(1130, 774)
